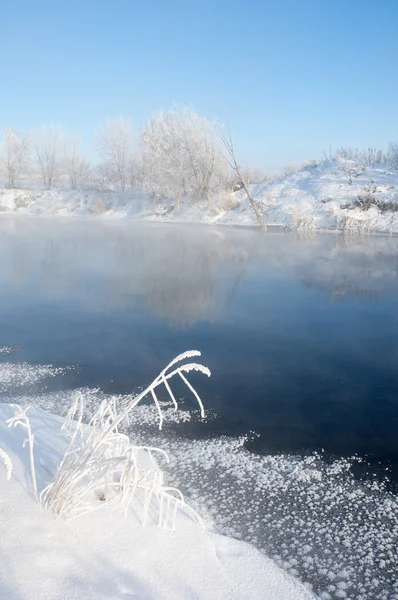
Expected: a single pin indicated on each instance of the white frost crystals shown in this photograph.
(101, 468)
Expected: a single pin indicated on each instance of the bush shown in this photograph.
(368, 200)
(228, 203)
(98, 207)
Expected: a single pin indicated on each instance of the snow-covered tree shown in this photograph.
(256, 175)
(379, 157)
(76, 167)
(14, 156)
(181, 156)
(115, 144)
(392, 154)
(47, 152)
(136, 170)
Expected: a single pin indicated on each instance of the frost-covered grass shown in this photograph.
(103, 554)
(317, 196)
(101, 461)
(101, 467)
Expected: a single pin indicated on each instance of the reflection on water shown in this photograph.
(300, 332)
(183, 273)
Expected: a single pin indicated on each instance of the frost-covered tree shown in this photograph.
(392, 154)
(115, 144)
(14, 156)
(47, 152)
(181, 155)
(136, 170)
(379, 157)
(76, 167)
(256, 175)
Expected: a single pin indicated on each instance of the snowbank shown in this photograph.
(334, 195)
(104, 555)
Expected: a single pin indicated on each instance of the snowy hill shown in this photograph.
(333, 195)
(339, 194)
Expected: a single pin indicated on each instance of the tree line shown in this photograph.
(177, 153)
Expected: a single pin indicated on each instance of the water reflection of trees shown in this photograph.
(349, 292)
(182, 273)
(354, 268)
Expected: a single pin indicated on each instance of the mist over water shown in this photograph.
(300, 332)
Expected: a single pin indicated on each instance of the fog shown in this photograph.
(183, 274)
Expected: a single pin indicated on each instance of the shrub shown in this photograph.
(368, 200)
(227, 203)
(98, 207)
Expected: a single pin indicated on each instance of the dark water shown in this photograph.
(301, 333)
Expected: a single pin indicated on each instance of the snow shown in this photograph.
(104, 555)
(316, 197)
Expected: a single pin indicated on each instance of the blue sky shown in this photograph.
(290, 77)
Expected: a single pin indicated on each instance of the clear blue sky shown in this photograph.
(289, 76)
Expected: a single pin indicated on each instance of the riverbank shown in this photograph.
(335, 195)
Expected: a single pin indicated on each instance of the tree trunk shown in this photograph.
(235, 166)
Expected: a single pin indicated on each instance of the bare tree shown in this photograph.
(76, 167)
(115, 143)
(242, 179)
(47, 150)
(14, 156)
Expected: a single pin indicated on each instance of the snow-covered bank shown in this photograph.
(103, 554)
(333, 195)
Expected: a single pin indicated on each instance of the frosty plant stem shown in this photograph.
(20, 418)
